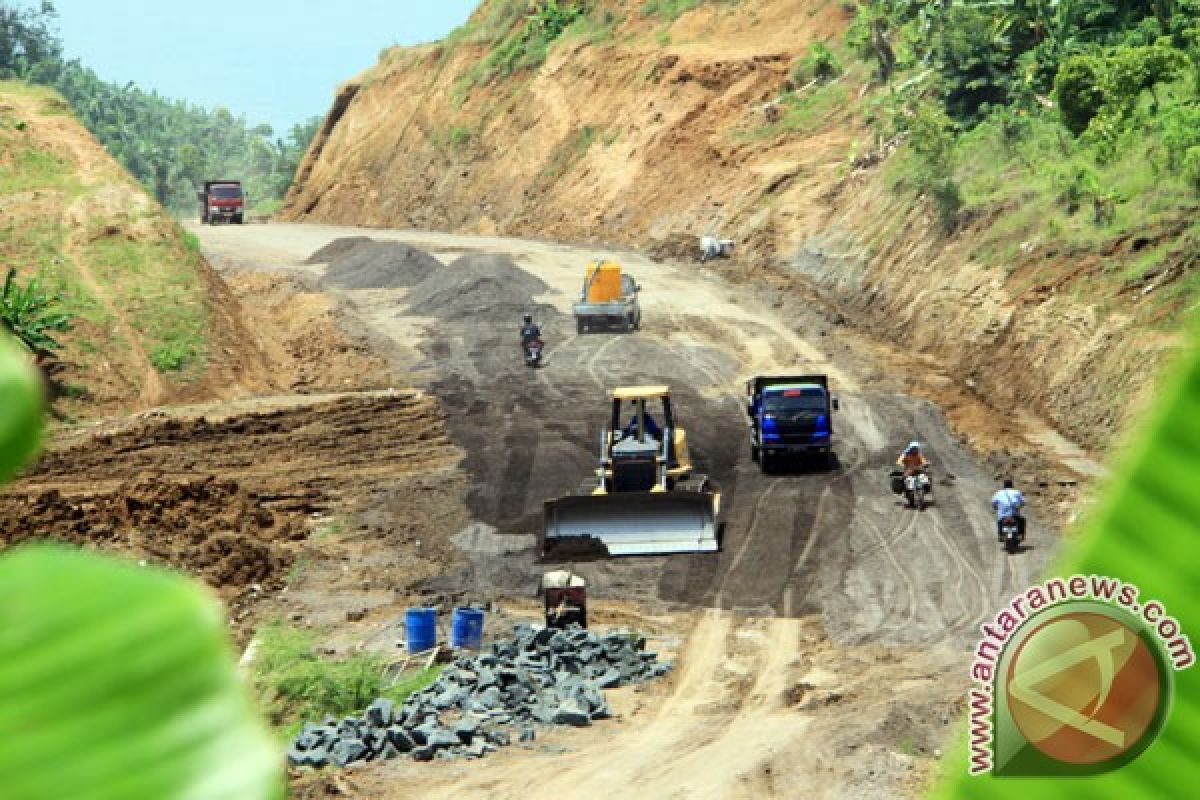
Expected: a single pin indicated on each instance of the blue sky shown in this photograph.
(273, 61)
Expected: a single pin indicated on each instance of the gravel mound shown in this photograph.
(338, 248)
(539, 677)
(475, 284)
(378, 265)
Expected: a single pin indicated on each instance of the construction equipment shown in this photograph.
(644, 499)
(565, 595)
(609, 298)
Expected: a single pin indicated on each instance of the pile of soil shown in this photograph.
(212, 528)
(674, 247)
(376, 265)
(475, 284)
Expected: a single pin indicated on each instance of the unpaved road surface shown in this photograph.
(825, 583)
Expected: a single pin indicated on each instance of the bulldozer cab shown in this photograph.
(642, 442)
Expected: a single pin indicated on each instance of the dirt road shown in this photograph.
(812, 561)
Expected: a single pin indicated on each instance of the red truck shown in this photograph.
(222, 201)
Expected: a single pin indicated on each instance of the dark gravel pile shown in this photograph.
(378, 265)
(338, 248)
(475, 284)
(542, 677)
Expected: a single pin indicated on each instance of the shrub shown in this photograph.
(1077, 89)
(818, 64)
(31, 314)
(297, 685)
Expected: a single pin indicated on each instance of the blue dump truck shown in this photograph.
(790, 415)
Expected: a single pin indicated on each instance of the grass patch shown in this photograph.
(668, 10)
(803, 113)
(26, 169)
(296, 685)
(157, 285)
(572, 149)
(455, 138)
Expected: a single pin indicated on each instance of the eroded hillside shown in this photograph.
(648, 124)
(151, 322)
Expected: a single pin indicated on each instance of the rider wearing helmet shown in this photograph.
(912, 459)
(529, 331)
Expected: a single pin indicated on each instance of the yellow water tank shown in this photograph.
(605, 287)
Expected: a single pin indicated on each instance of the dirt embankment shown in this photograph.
(227, 493)
(151, 321)
(665, 131)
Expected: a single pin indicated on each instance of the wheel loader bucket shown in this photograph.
(630, 524)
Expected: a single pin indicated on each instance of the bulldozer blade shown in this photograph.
(631, 524)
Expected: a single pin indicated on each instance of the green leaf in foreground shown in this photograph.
(20, 407)
(1146, 532)
(117, 683)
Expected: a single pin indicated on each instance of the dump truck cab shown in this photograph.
(609, 299)
(644, 497)
(790, 414)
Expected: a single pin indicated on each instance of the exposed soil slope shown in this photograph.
(665, 130)
(153, 323)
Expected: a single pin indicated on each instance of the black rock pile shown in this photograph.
(538, 677)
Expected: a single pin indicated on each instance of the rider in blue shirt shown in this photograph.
(1009, 502)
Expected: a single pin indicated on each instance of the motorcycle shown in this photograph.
(533, 352)
(1010, 534)
(917, 488)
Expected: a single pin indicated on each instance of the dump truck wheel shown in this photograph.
(580, 327)
(754, 454)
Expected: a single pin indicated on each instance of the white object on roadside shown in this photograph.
(712, 247)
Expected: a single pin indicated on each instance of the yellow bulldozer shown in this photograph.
(644, 498)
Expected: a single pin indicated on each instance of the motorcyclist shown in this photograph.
(912, 460)
(1008, 502)
(529, 331)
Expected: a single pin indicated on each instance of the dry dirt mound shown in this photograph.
(225, 498)
(474, 284)
(212, 528)
(377, 265)
(674, 247)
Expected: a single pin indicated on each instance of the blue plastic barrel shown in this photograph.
(466, 628)
(420, 629)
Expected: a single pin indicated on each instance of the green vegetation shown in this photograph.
(31, 314)
(170, 146)
(162, 298)
(1070, 123)
(668, 10)
(518, 35)
(571, 150)
(455, 138)
(799, 112)
(296, 685)
(818, 64)
(153, 707)
(29, 169)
